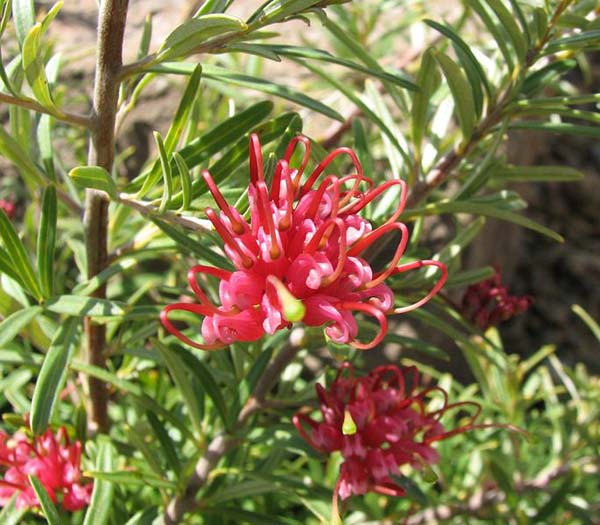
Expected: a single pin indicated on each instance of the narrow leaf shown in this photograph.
(180, 120)
(94, 177)
(47, 240)
(166, 173)
(48, 508)
(178, 372)
(99, 511)
(14, 323)
(18, 256)
(189, 36)
(428, 79)
(508, 22)
(205, 377)
(77, 305)
(24, 17)
(461, 93)
(185, 180)
(537, 174)
(52, 376)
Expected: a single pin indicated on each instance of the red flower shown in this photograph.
(379, 423)
(299, 257)
(9, 208)
(50, 458)
(488, 303)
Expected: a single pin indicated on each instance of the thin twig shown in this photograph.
(111, 29)
(65, 116)
(225, 442)
(149, 210)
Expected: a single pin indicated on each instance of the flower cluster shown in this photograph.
(8, 207)
(379, 423)
(488, 303)
(52, 459)
(299, 256)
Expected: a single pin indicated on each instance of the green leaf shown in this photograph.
(479, 208)
(18, 256)
(133, 477)
(508, 22)
(48, 508)
(10, 514)
(428, 79)
(545, 76)
(52, 375)
(14, 323)
(466, 277)
(135, 391)
(418, 345)
(277, 10)
(180, 120)
(536, 174)
(100, 509)
(586, 318)
(461, 93)
(178, 372)
(185, 180)
(189, 36)
(166, 443)
(213, 141)
(555, 501)
(94, 177)
(466, 57)
(259, 84)
(14, 152)
(33, 64)
(413, 491)
(324, 56)
(24, 17)
(583, 40)
(47, 240)
(368, 112)
(166, 173)
(212, 6)
(499, 35)
(204, 376)
(145, 517)
(561, 128)
(77, 305)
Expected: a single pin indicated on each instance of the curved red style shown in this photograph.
(53, 459)
(379, 423)
(306, 234)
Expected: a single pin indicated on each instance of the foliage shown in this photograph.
(419, 97)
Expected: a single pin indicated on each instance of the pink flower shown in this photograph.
(488, 303)
(379, 423)
(300, 256)
(53, 459)
(9, 208)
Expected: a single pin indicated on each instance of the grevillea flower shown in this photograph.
(488, 303)
(299, 257)
(379, 423)
(52, 459)
(9, 208)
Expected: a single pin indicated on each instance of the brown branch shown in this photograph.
(225, 442)
(111, 29)
(28, 103)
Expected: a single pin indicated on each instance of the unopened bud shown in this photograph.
(293, 308)
(348, 426)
